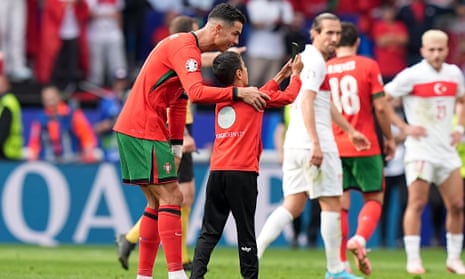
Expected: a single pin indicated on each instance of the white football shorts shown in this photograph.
(299, 176)
(431, 172)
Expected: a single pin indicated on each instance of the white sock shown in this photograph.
(143, 277)
(454, 245)
(331, 234)
(274, 225)
(412, 247)
(179, 274)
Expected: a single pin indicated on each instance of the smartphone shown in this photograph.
(294, 48)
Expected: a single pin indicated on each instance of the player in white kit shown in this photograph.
(432, 91)
(311, 164)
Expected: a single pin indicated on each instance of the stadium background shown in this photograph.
(49, 204)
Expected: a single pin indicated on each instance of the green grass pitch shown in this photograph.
(88, 262)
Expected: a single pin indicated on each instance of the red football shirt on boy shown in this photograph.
(238, 129)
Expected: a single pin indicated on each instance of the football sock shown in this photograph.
(331, 234)
(412, 247)
(149, 242)
(344, 234)
(180, 274)
(169, 226)
(368, 219)
(274, 225)
(133, 234)
(185, 211)
(454, 245)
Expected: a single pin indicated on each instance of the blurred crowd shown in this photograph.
(99, 46)
(62, 42)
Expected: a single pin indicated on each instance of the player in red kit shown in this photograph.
(357, 92)
(149, 151)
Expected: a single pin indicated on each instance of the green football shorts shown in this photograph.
(145, 161)
(363, 173)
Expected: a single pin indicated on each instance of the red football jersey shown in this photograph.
(172, 67)
(238, 129)
(355, 81)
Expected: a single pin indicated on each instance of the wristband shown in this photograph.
(177, 150)
(460, 129)
(235, 94)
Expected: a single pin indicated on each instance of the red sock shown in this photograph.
(169, 226)
(368, 218)
(149, 241)
(344, 234)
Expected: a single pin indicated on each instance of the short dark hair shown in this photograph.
(181, 23)
(316, 24)
(225, 66)
(227, 13)
(349, 34)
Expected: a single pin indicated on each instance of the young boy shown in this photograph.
(232, 184)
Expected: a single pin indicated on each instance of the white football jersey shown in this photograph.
(429, 99)
(313, 78)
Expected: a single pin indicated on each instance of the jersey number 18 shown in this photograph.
(344, 93)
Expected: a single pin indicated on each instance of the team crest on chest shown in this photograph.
(439, 88)
(167, 167)
(191, 65)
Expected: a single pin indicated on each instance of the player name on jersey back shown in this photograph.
(339, 68)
